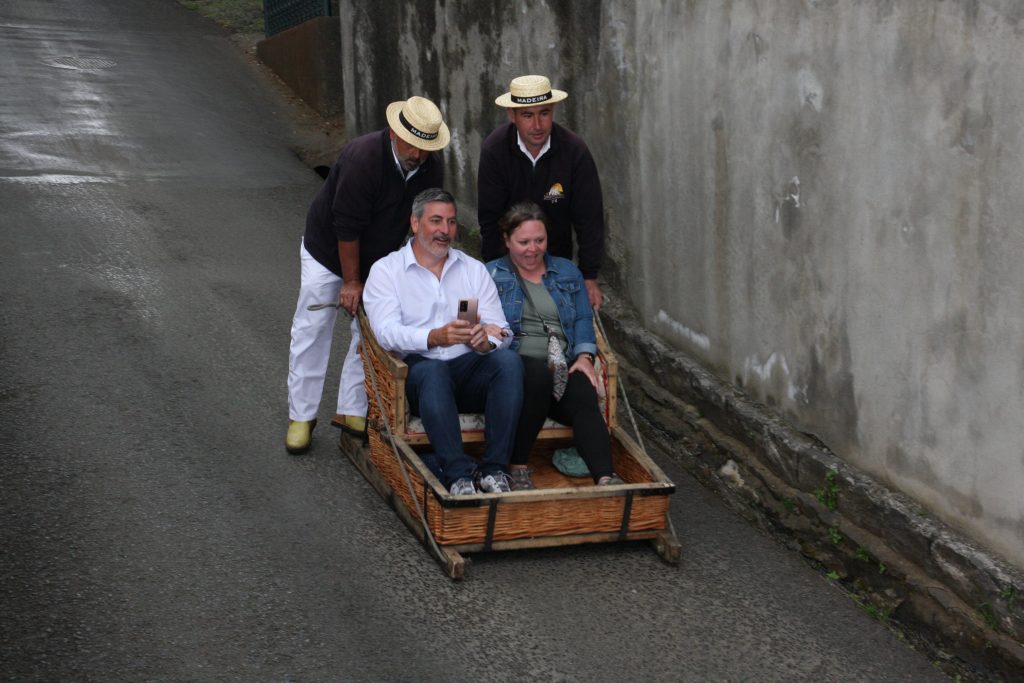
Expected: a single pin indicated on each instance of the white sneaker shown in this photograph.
(462, 487)
(495, 483)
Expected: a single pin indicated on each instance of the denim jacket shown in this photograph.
(565, 284)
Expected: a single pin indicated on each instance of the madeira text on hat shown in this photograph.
(530, 91)
(418, 122)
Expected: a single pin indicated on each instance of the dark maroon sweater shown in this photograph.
(507, 176)
(365, 198)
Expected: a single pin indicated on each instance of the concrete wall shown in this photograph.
(818, 200)
(306, 57)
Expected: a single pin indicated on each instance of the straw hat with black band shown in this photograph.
(418, 122)
(530, 91)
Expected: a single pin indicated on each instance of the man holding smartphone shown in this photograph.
(467, 310)
(420, 301)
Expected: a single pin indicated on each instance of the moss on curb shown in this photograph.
(238, 16)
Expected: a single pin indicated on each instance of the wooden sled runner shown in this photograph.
(561, 511)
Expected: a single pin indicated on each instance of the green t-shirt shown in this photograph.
(534, 342)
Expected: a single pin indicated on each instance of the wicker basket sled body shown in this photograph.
(561, 511)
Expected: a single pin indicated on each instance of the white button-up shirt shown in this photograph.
(404, 301)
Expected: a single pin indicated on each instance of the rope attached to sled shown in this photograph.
(636, 431)
(622, 386)
(434, 548)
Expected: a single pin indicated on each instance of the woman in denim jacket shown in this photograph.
(557, 297)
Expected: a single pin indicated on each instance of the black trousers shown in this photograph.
(578, 408)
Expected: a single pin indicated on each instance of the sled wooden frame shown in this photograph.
(452, 526)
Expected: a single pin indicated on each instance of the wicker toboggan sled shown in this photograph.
(561, 511)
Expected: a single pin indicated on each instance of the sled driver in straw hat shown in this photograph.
(360, 214)
(533, 158)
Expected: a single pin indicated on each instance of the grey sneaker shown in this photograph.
(462, 487)
(613, 480)
(519, 479)
(495, 483)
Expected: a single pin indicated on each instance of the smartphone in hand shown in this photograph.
(467, 310)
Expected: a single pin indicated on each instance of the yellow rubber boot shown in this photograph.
(351, 424)
(299, 437)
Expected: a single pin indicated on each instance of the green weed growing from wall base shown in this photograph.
(829, 495)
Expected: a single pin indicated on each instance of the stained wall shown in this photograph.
(820, 200)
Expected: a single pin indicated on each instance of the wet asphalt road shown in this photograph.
(153, 527)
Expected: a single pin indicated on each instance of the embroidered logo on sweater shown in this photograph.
(555, 193)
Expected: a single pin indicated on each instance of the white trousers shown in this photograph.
(310, 349)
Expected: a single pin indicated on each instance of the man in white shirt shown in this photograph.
(412, 300)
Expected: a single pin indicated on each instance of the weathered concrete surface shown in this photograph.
(876, 303)
(899, 562)
(306, 57)
(814, 199)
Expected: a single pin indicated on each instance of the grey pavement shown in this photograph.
(153, 527)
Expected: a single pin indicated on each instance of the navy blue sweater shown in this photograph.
(365, 198)
(564, 183)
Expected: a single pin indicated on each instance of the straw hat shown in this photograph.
(418, 122)
(529, 91)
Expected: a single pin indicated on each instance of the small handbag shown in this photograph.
(557, 363)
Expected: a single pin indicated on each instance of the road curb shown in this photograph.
(901, 564)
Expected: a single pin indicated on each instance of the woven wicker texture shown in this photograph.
(582, 509)
(383, 387)
(556, 517)
(562, 506)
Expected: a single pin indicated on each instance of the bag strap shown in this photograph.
(522, 285)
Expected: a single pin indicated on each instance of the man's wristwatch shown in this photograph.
(589, 356)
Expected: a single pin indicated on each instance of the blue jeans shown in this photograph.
(492, 384)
